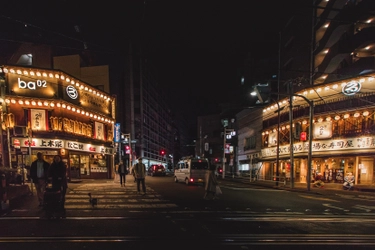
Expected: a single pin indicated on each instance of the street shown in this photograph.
(176, 214)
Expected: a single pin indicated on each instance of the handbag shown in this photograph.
(218, 190)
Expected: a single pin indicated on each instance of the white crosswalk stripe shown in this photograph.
(111, 195)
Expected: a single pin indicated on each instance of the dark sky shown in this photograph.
(197, 46)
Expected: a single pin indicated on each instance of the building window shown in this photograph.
(250, 143)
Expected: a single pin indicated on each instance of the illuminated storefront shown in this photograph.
(55, 113)
(343, 134)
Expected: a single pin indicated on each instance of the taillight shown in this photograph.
(191, 180)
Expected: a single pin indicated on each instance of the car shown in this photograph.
(156, 170)
(191, 170)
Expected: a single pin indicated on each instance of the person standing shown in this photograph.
(121, 170)
(57, 173)
(38, 174)
(210, 184)
(132, 173)
(140, 173)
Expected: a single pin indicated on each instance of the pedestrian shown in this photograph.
(121, 170)
(140, 173)
(133, 174)
(210, 184)
(38, 174)
(57, 174)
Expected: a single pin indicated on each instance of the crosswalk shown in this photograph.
(111, 196)
(114, 200)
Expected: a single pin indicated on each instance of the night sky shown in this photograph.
(197, 46)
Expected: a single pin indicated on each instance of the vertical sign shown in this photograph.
(117, 132)
(99, 131)
(38, 119)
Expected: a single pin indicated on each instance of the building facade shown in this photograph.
(336, 96)
(50, 111)
(145, 113)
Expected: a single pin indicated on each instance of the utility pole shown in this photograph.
(224, 146)
(291, 137)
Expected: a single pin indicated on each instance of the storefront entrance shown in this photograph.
(79, 166)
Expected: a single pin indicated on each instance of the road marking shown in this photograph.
(317, 198)
(366, 208)
(338, 208)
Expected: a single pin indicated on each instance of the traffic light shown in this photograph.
(162, 152)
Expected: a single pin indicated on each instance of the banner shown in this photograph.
(38, 119)
(99, 131)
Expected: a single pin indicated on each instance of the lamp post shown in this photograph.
(309, 154)
(278, 144)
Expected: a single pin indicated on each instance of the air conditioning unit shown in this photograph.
(20, 131)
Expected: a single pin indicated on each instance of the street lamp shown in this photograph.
(228, 133)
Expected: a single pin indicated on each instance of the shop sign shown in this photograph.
(351, 88)
(322, 130)
(99, 131)
(16, 143)
(348, 144)
(227, 148)
(117, 136)
(63, 144)
(272, 139)
(32, 87)
(38, 119)
(72, 92)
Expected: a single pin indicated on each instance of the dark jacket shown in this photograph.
(57, 173)
(122, 169)
(33, 171)
(139, 170)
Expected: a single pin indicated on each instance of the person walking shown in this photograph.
(57, 174)
(121, 170)
(210, 185)
(38, 174)
(140, 173)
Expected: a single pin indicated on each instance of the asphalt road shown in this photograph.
(173, 215)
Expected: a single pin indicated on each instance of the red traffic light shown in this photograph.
(162, 152)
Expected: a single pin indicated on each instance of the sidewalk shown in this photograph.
(302, 187)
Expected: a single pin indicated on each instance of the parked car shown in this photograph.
(156, 170)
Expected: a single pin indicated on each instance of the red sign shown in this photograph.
(303, 136)
(16, 143)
